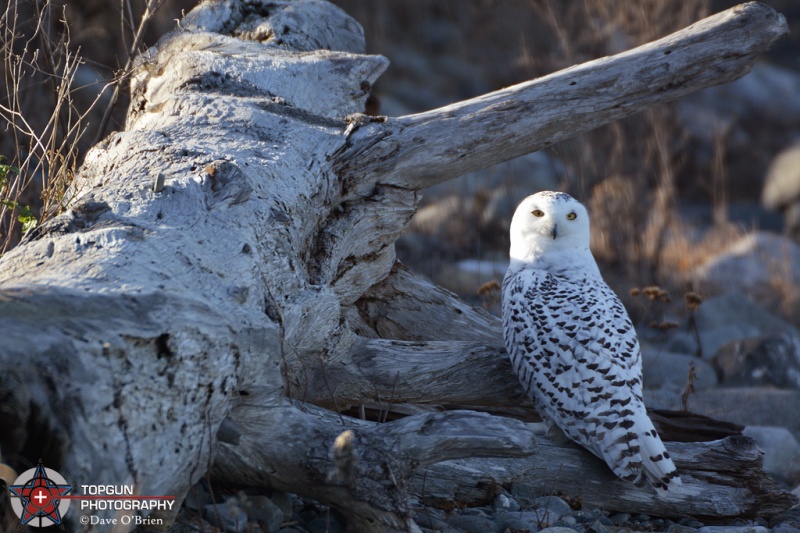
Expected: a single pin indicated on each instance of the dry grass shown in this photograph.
(52, 108)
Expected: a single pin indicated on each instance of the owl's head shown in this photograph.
(548, 222)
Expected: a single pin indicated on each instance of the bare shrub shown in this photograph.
(54, 103)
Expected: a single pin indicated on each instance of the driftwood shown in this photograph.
(731, 466)
(231, 253)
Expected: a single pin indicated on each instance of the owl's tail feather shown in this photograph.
(657, 467)
(635, 453)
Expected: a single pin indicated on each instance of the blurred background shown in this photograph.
(669, 189)
(695, 204)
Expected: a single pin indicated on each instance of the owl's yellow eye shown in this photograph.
(572, 216)
(537, 213)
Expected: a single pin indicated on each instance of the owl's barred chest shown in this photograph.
(548, 316)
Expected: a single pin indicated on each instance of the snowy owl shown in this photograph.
(572, 343)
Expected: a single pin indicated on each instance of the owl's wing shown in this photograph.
(575, 351)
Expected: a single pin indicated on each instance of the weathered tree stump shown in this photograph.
(262, 279)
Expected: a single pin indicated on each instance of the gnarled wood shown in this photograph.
(721, 480)
(368, 477)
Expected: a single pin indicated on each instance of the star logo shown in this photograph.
(37, 497)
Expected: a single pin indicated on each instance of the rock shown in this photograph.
(471, 524)
(733, 529)
(504, 502)
(476, 511)
(710, 339)
(662, 369)
(487, 269)
(285, 503)
(678, 528)
(523, 493)
(552, 504)
(429, 520)
(764, 265)
(229, 516)
(557, 530)
(512, 523)
(325, 523)
(620, 519)
(791, 222)
(547, 511)
(732, 308)
(782, 183)
(586, 516)
(261, 509)
(598, 527)
(197, 497)
(690, 522)
(758, 97)
(760, 361)
(567, 521)
(792, 516)
(748, 406)
(785, 528)
(728, 317)
(781, 451)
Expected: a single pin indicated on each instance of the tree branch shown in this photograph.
(446, 373)
(360, 468)
(721, 480)
(416, 151)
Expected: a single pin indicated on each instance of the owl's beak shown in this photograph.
(554, 232)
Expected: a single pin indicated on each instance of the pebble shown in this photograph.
(523, 494)
(690, 522)
(733, 529)
(517, 510)
(228, 516)
(621, 518)
(472, 523)
(785, 528)
(513, 523)
(598, 527)
(264, 511)
(428, 520)
(504, 502)
(325, 523)
(553, 506)
(677, 528)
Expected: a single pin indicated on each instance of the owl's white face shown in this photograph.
(546, 223)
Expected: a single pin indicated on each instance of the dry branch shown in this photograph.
(419, 150)
(367, 478)
(721, 480)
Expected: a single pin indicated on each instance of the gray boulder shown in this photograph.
(781, 451)
(668, 370)
(729, 317)
(759, 361)
(761, 264)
